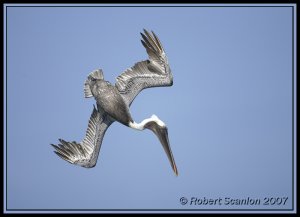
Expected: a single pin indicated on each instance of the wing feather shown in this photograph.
(86, 152)
(158, 41)
(153, 72)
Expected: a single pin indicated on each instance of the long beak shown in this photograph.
(162, 133)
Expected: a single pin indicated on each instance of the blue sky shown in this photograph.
(229, 112)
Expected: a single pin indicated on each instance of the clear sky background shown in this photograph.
(229, 112)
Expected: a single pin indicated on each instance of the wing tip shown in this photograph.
(145, 31)
(62, 156)
(151, 41)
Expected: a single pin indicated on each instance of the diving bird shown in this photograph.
(113, 102)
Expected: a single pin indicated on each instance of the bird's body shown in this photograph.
(110, 100)
(113, 102)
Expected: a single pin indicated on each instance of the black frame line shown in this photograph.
(292, 5)
(150, 6)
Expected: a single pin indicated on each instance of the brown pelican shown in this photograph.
(113, 102)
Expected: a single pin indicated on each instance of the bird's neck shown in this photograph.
(141, 126)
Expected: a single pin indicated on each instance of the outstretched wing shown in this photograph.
(154, 72)
(86, 152)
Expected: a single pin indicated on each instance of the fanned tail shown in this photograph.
(94, 75)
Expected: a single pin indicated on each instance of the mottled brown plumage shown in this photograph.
(113, 102)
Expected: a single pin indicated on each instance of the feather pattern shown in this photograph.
(86, 153)
(154, 72)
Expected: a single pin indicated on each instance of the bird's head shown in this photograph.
(160, 129)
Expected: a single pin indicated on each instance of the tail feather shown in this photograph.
(87, 91)
(96, 74)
